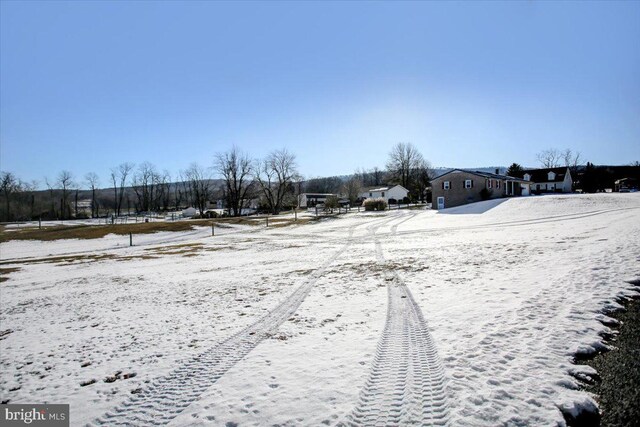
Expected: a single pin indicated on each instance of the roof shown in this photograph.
(542, 175)
(483, 175)
(317, 194)
(387, 188)
(625, 180)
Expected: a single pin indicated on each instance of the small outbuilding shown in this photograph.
(626, 185)
(309, 200)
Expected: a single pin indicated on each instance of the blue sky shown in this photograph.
(85, 86)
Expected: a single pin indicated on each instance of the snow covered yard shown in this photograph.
(470, 316)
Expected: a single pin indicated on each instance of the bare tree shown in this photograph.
(235, 167)
(377, 176)
(180, 191)
(18, 198)
(331, 184)
(198, 180)
(27, 188)
(352, 189)
(50, 187)
(372, 177)
(9, 185)
(163, 192)
(421, 178)
(275, 176)
(144, 183)
(404, 160)
(65, 182)
(93, 181)
(549, 158)
(119, 177)
(572, 159)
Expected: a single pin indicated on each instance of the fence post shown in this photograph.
(295, 214)
(40, 223)
(130, 239)
(267, 220)
(213, 233)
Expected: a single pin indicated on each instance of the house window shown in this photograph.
(383, 194)
(527, 177)
(467, 183)
(497, 183)
(370, 194)
(446, 185)
(489, 183)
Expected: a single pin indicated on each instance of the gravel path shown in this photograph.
(619, 389)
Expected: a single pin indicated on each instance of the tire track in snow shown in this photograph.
(406, 384)
(168, 396)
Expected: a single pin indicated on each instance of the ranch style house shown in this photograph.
(459, 187)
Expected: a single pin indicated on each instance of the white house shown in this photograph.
(555, 180)
(397, 192)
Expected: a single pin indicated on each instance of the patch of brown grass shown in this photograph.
(59, 232)
(185, 249)
(274, 221)
(93, 231)
(137, 257)
(5, 271)
(244, 220)
(73, 259)
(285, 222)
(221, 248)
(62, 259)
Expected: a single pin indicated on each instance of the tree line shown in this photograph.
(273, 183)
(233, 177)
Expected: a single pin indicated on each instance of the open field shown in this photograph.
(471, 316)
(90, 229)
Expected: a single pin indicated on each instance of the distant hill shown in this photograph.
(490, 169)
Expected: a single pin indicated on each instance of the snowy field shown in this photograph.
(470, 316)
